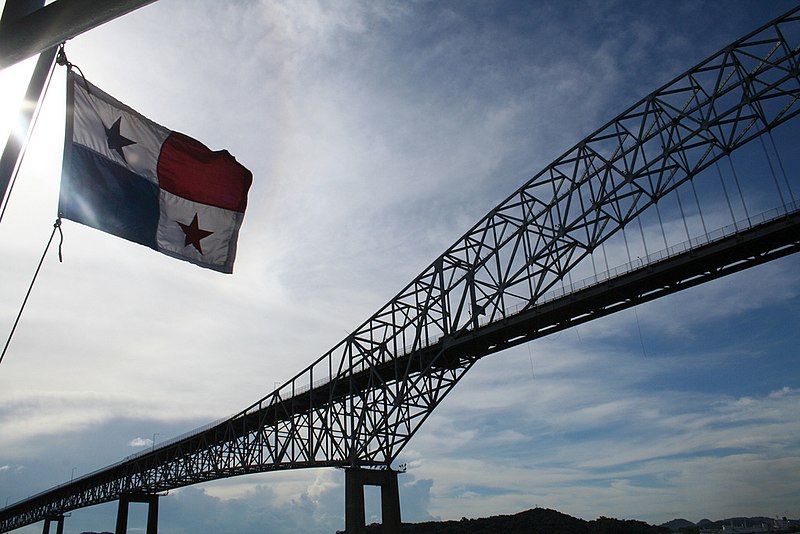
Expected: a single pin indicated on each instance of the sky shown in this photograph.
(378, 132)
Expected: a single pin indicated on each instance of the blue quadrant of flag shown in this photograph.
(110, 198)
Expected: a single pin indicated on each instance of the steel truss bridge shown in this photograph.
(506, 281)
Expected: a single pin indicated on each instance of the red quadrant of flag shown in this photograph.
(189, 169)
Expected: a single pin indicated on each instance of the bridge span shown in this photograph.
(507, 281)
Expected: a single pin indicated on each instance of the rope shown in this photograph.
(62, 60)
(56, 226)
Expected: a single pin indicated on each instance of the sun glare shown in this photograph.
(13, 84)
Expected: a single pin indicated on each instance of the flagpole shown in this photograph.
(12, 154)
(13, 11)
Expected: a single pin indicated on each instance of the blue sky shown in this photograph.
(378, 132)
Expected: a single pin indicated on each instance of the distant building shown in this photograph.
(745, 529)
(750, 526)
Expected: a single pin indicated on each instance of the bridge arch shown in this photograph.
(474, 288)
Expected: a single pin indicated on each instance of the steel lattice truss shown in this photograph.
(361, 402)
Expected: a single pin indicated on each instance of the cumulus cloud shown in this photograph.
(602, 438)
(141, 442)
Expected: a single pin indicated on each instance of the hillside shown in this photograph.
(536, 521)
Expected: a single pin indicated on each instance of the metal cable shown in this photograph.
(56, 226)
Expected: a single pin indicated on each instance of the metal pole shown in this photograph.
(57, 22)
(16, 140)
(14, 10)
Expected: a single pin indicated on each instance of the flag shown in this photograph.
(128, 176)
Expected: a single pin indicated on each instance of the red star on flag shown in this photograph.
(194, 234)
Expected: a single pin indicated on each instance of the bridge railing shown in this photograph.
(664, 254)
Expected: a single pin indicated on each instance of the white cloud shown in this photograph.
(141, 442)
(595, 448)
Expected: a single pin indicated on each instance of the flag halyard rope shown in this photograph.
(56, 227)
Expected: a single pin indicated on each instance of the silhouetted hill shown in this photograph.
(739, 521)
(687, 527)
(676, 524)
(536, 521)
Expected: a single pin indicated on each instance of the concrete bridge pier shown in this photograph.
(355, 479)
(152, 512)
(59, 519)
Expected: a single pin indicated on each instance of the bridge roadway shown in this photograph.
(191, 459)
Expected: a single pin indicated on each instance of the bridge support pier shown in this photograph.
(355, 479)
(152, 512)
(59, 519)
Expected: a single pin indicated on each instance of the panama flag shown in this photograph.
(128, 176)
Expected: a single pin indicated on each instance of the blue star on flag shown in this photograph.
(116, 140)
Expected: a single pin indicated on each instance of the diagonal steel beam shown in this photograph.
(56, 23)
